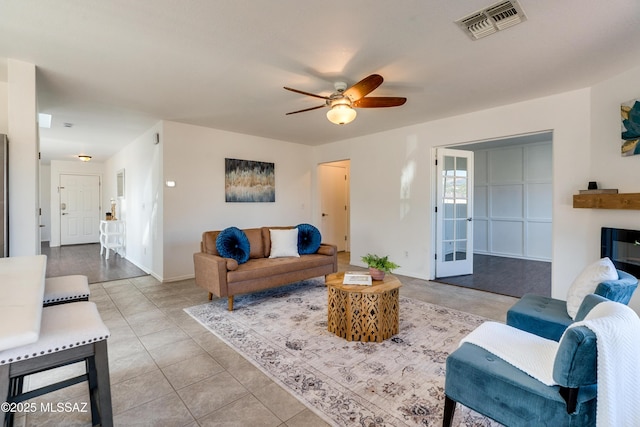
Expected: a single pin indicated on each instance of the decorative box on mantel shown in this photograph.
(606, 199)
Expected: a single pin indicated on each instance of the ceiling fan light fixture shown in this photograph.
(341, 114)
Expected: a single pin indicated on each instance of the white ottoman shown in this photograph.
(63, 289)
(69, 333)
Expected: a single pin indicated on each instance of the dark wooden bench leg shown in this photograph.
(93, 390)
(4, 391)
(104, 383)
(449, 410)
(230, 299)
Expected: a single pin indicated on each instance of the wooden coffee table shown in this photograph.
(363, 313)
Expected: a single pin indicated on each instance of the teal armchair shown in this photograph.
(487, 384)
(548, 318)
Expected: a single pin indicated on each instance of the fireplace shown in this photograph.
(623, 248)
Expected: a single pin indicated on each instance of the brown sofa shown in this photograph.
(224, 277)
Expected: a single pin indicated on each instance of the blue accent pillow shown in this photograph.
(233, 243)
(309, 239)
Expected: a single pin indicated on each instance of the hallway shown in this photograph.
(86, 260)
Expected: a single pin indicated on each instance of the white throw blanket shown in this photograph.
(617, 330)
(528, 352)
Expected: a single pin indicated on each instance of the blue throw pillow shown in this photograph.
(308, 239)
(233, 243)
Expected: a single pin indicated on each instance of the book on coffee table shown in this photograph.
(357, 278)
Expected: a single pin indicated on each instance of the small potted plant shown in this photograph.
(378, 265)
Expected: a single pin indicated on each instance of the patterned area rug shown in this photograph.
(399, 382)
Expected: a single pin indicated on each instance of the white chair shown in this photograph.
(69, 333)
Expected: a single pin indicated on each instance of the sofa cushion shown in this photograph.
(267, 267)
(587, 282)
(284, 243)
(233, 243)
(209, 242)
(309, 239)
(255, 242)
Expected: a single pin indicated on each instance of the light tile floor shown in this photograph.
(166, 369)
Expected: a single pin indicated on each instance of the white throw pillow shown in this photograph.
(587, 282)
(284, 243)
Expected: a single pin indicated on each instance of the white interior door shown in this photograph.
(79, 209)
(454, 224)
(333, 203)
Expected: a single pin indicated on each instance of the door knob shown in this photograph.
(325, 214)
(65, 213)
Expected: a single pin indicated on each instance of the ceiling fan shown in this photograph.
(343, 101)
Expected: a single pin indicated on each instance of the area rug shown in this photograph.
(399, 382)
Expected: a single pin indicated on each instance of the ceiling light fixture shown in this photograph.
(341, 113)
(84, 157)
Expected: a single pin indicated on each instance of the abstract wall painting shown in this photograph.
(630, 114)
(249, 181)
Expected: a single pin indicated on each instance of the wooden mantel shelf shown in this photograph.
(607, 201)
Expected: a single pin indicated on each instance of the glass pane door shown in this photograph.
(454, 232)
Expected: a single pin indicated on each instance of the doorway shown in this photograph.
(79, 209)
(333, 180)
(454, 229)
(512, 216)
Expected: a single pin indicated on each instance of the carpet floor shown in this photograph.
(505, 276)
(399, 382)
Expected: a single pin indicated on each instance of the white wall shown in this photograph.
(4, 105)
(608, 167)
(60, 167)
(24, 224)
(513, 198)
(392, 180)
(141, 206)
(194, 159)
(45, 203)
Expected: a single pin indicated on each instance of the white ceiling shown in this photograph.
(114, 68)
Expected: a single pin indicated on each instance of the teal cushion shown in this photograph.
(543, 316)
(233, 243)
(309, 239)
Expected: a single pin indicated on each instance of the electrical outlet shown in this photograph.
(406, 254)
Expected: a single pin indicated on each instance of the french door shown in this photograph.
(454, 222)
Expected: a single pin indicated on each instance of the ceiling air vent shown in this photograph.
(496, 17)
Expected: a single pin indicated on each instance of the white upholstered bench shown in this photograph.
(64, 289)
(69, 333)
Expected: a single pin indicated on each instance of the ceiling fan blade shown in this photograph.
(379, 102)
(307, 109)
(364, 87)
(306, 93)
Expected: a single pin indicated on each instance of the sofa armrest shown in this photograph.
(327, 249)
(211, 273)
